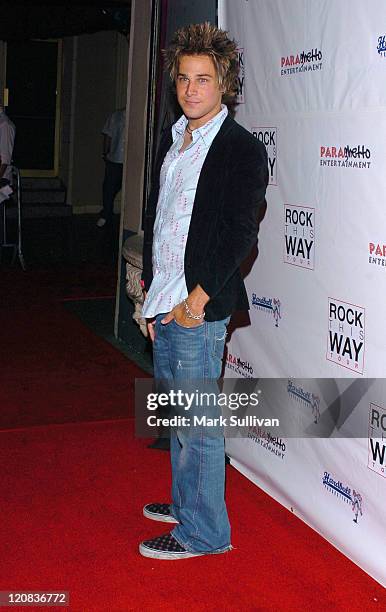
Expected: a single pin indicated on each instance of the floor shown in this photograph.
(51, 242)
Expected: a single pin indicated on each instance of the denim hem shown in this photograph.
(206, 552)
(173, 514)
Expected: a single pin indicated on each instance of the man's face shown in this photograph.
(198, 90)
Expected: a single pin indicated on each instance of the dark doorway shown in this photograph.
(32, 82)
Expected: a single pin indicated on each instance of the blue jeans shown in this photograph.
(198, 460)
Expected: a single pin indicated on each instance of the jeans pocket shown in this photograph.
(189, 328)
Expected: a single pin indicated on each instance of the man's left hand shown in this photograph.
(197, 300)
(179, 314)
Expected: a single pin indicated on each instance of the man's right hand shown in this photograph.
(151, 329)
(150, 324)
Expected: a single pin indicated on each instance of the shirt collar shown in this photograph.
(206, 131)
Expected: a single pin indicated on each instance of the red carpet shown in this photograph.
(72, 499)
(52, 368)
(72, 493)
(55, 370)
(43, 285)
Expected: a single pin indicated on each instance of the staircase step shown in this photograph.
(46, 196)
(41, 182)
(41, 197)
(40, 210)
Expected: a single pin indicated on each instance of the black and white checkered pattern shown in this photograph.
(159, 512)
(165, 547)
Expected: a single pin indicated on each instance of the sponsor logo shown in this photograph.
(304, 61)
(241, 77)
(299, 236)
(381, 47)
(345, 157)
(268, 136)
(377, 254)
(270, 305)
(377, 440)
(242, 368)
(345, 494)
(307, 398)
(346, 335)
(266, 440)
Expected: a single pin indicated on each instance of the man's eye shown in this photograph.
(203, 80)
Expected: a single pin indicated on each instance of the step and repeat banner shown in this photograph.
(312, 89)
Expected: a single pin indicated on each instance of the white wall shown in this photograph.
(313, 84)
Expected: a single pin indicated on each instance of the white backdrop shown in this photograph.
(312, 88)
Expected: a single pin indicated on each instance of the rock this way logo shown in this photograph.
(299, 236)
(268, 305)
(345, 494)
(268, 136)
(241, 77)
(346, 335)
(377, 440)
(307, 397)
(381, 48)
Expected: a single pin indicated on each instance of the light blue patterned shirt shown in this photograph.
(178, 183)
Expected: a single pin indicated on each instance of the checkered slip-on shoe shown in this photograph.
(159, 512)
(165, 547)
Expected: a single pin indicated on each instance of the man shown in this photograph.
(201, 222)
(7, 139)
(113, 154)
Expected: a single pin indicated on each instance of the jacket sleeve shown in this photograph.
(147, 265)
(244, 208)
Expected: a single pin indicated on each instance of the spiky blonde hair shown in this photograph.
(206, 39)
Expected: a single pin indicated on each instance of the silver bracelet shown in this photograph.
(189, 313)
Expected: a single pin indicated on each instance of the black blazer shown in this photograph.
(227, 209)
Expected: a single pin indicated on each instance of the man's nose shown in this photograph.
(191, 88)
